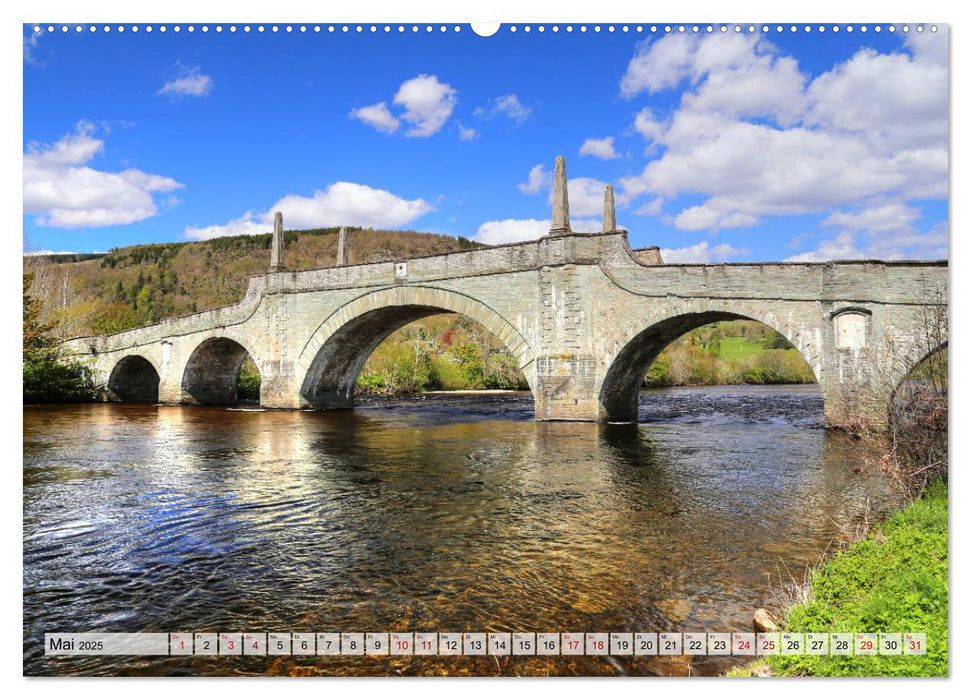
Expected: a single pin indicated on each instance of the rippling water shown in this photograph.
(438, 513)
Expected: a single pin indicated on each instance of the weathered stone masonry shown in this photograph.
(583, 315)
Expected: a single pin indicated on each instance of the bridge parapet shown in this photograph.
(583, 314)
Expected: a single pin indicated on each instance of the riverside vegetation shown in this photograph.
(893, 577)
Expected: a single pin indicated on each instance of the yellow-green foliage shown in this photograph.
(445, 352)
(729, 352)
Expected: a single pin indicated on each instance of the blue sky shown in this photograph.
(721, 147)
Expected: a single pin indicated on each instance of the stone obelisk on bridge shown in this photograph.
(276, 244)
(582, 315)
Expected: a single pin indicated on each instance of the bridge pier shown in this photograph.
(581, 314)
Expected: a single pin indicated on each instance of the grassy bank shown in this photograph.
(895, 580)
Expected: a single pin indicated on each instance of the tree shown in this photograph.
(46, 379)
(36, 340)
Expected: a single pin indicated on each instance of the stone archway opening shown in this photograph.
(700, 349)
(406, 349)
(133, 379)
(220, 371)
(919, 402)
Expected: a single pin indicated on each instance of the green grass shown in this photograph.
(738, 348)
(893, 581)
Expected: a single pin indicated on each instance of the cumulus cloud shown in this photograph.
(755, 137)
(341, 203)
(191, 82)
(466, 133)
(586, 198)
(886, 231)
(507, 106)
(538, 179)
(647, 126)
(512, 230)
(427, 103)
(651, 208)
(62, 190)
(841, 247)
(701, 253)
(587, 225)
(377, 115)
(599, 148)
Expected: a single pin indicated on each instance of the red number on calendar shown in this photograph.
(768, 644)
(573, 644)
(744, 645)
(866, 645)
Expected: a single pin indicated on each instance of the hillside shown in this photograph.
(143, 284)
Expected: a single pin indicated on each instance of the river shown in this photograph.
(437, 513)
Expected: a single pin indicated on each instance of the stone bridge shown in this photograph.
(584, 316)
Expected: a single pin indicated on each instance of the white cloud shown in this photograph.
(652, 208)
(894, 101)
(754, 138)
(466, 133)
(659, 64)
(428, 104)
(31, 40)
(599, 148)
(538, 179)
(339, 204)
(64, 191)
(248, 224)
(508, 106)
(842, 247)
(378, 116)
(647, 126)
(190, 83)
(586, 197)
(587, 225)
(886, 218)
(32, 253)
(512, 231)
(701, 253)
(885, 231)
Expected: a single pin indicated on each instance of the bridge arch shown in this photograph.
(334, 356)
(212, 371)
(133, 378)
(623, 378)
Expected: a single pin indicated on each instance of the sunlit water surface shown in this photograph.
(437, 513)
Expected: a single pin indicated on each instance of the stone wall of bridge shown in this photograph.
(582, 313)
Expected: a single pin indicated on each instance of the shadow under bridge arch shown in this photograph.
(211, 376)
(133, 378)
(624, 377)
(335, 354)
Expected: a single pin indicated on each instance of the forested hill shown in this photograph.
(143, 284)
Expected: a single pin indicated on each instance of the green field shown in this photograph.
(739, 348)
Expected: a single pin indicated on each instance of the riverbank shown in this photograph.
(894, 580)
